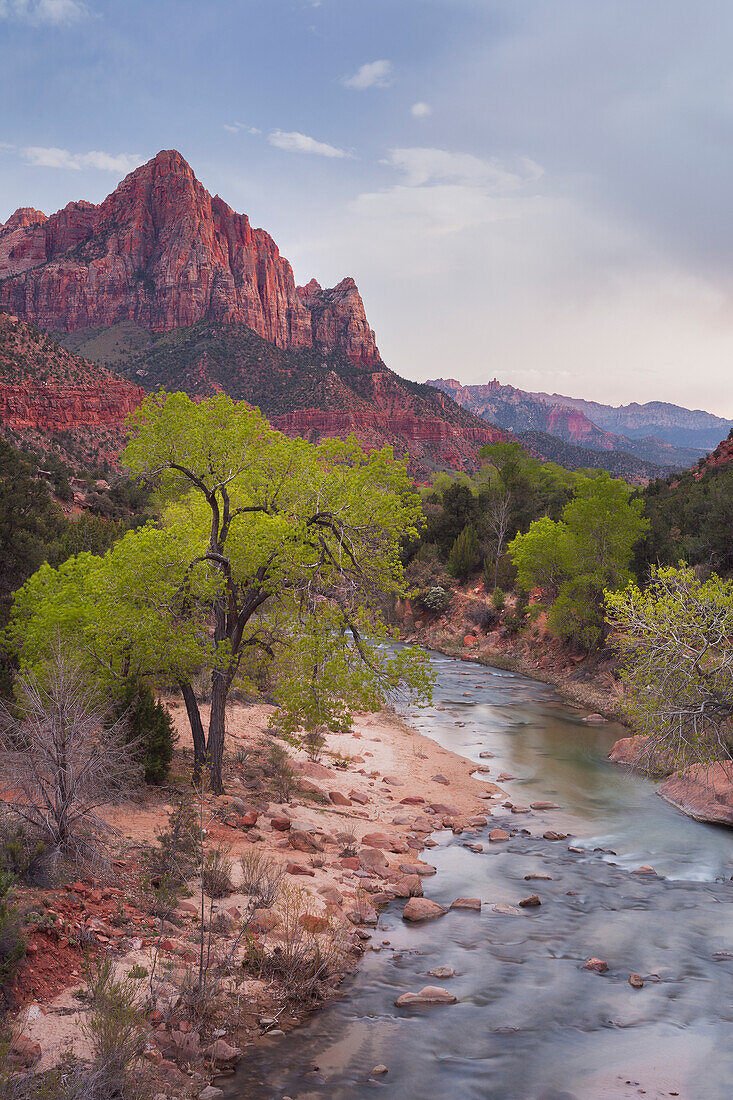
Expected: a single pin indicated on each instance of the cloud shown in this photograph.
(374, 74)
(421, 110)
(424, 165)
(54, 13)
(294, 142)
(240, 128)
(51, 157)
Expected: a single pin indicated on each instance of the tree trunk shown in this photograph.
(220, 684)
(197, 729)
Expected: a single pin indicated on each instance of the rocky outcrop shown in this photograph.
(45, 390)
(161, 252)
(641, 754)
(703, 792)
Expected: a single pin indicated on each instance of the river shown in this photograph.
(530, 1023)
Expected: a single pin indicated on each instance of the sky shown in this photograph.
(533, 190)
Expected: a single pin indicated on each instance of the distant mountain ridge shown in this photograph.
(520, 411)
(673, 423)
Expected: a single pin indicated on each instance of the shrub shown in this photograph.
(314, 741)
(24, 854)
(280, 771)
(465, 555)
(216, 875)
(435, 599)
(172, 861)
(498, 599)
(484, 617)
(302, 961)
(262, 878)
(115, 1027)
(12, 941)
(150, 729)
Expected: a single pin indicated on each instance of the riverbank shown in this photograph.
(349, 837)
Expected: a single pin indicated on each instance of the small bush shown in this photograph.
(498, 599)
(280, 771)
(262, 878)
(314, 742)
(173, 860)
(12, 940)
(115, 1027)
(24, 855)
(216, 876)
(465, 556)
(436, 599)
(303, 961)
(484, 617)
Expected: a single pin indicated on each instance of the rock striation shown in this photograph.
(45, 391)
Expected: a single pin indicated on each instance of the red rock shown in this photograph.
(379, 840)
(351, 863)
(704, 793)
(247, 820)
(498, 834)
(531, 902)
(357, 796)
(598, 965)
(263, 920)
(636, 981)
(222, 1054)
(412, 800)
(298, 869)
(467, 903)
(544, 806)
(339, 799)
(24, 1052)
(313, 923)
(469, 640)
(444, 808)
(552, 835)
(422, 909)
(640, 753)
(408, 886)
(280, 823)
(429, 995)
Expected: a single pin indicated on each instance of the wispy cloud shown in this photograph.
(421, 110)
(51, 157)
(55, 13)
(374, 74)
(422, 165)
(240, 128)
(294, 142)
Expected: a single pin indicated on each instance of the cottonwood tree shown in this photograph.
(676, 637)
(60, 761)
(271, 559)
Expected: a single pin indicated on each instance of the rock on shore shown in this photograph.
(703, 792)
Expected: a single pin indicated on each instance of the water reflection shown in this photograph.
(530, 1022)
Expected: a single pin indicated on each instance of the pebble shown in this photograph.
(538, 875)
(442, 972)
(378, 1071)
(531, 902)
(636, 981)
(598, 965)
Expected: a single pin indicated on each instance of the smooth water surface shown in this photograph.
(530, 1022)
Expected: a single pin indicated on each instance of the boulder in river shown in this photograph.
(704, 792)
(420, 909)
(428, 995)
(641, 754)
(498, 834)
(598, 965)
(467, 903)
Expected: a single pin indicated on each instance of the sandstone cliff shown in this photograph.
(46, 392)
(161, 252)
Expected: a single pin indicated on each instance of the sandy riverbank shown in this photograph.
(351, 838)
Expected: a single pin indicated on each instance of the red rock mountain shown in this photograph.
(162, 253)
(46, 392)
(167, 285)
(523, 411)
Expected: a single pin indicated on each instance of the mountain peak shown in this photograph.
(162, 253)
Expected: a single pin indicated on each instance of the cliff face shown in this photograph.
(46, 391)
(162, 253)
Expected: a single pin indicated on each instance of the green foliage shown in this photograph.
(465, 556)
(115, 1026)
(12, 941)
(24, 855)
(573, 560)
(435, 599)
(676, 638)
(498, 599)
(690, 519)
(150, 729)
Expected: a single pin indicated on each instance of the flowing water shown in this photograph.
(530, 1022)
